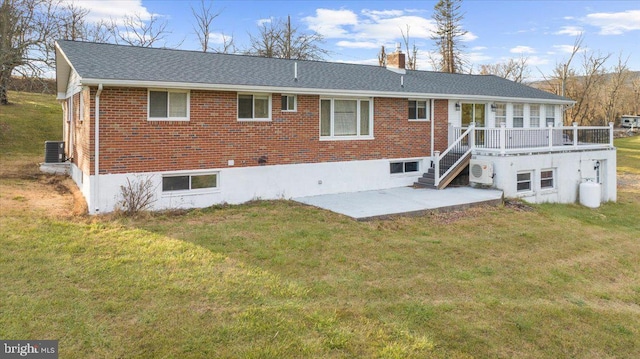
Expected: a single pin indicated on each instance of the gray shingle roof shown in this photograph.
(127, 63)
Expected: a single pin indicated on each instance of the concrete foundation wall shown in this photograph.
(570, 169)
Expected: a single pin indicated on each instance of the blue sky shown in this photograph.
(543, 31)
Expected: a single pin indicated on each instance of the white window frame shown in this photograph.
(500, 107)
(530, 181)
(546, 114)
(295, 102)
(532, 116)
(253, 107)
(357, 136)
(190, 190)
(404, 167)
(427, 110)
(552, 178)
(520, 116)
(169, 92)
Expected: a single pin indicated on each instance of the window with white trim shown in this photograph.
(418, 110)
(534, 115)
(346, 118)
(172, 105)
(547, 179)
(550, 115)
(189, 182)
(501, 113)
(289, 103)
(524, 181)
(518, 115)
(404, 167)
(254, 107)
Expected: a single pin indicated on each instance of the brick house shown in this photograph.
(209, 128)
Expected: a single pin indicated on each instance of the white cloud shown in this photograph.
(522, 50)
(615, 23)
(568, 17)
(537, 60)
(108, 9)
(218, 37)
(570, 30)
(477, 57)
(358, 44)
(378, 14)
(261, 22)
(564, 48)
(469, 36)
(331, 23)
(478, 48)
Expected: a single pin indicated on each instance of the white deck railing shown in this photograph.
(503, 140)
(525, 140)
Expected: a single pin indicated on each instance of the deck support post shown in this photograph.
(611, 134)
(436, 168)
(550, 126)
(575, 134)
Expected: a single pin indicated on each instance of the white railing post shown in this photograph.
(550, 126)
(472, 136)
(611, 134)
(436, 168)
(503, 138)
(452, 134)
(575, 134)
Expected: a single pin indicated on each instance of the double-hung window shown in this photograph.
(254, 107)
(546, 179)
(346, 118)
(289, 103)
(550, 115)
(523, 182)
(501, 113)
(518, 115)
(534, 115)
(171, 105)
(189, 182)
(418, 110)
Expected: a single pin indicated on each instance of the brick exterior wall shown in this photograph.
(131, 143)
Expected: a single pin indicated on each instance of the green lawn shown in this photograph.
(281, 280)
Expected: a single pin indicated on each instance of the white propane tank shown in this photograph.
(590, 194)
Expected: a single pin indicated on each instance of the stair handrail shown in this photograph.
(439, 156)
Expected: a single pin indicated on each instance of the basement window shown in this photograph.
(404, 167)
(165, 105)
(189, 182)
(546, 179)
(524, 181)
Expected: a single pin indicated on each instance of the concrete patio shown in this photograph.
(386, 203)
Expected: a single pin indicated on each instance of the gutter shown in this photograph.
(96, 160)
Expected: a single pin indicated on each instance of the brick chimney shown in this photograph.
(396, 60)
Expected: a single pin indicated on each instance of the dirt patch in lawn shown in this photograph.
(52, 196)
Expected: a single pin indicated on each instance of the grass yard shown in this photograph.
(275, 279)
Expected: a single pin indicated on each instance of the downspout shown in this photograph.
(96, 160)
(433, 120)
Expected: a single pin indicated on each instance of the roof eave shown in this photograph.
(309, 91)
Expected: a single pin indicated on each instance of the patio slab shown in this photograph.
(386, 203)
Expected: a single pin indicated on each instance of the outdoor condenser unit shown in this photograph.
(54, 152)
(481, 172)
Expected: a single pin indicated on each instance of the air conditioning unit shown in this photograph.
(481, 172)
(54, 152)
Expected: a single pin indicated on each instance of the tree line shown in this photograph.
(28, 29)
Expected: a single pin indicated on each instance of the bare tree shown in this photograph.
(203, 17)
(515, 70)
(613, 90)
(448, 35)
(73, 24)
(411, 53)
(25, 28)
(382, 57)
(137, 31)
(280, 39)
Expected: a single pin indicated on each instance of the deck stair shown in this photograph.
(428, 178)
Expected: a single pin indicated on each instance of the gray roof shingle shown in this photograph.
(128, 63)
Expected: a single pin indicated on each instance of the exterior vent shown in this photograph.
(54, 152)
(481, 172)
